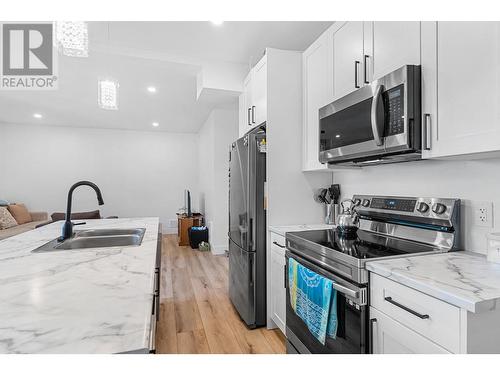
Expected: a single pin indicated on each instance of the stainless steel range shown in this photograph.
(389, 227)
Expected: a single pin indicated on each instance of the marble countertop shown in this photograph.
(77, 301)
(282, 229)
(463, 279)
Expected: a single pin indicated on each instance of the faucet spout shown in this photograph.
(67, 231)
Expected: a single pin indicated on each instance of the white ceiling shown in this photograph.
(174, 106)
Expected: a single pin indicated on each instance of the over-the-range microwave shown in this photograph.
(376, 124)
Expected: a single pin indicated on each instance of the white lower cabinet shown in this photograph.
(391, 337)
(278, 296)
(405, 320)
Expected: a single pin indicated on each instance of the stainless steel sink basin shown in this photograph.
(96, 238)
(110, 232)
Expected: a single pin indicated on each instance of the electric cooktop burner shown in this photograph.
(363, 244)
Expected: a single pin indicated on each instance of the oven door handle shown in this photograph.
(356, 294)
(376, 127)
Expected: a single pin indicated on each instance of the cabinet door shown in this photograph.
(391, 337)
(393, 45)
(278, 298)
(467, 88)
(247, 94)
(259, 92)
(348, 58)
(318, 91)
(242, 123)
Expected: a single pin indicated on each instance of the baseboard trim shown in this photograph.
(218, 249)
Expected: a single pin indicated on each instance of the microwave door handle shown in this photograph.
(375, 125)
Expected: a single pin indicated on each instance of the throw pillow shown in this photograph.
(6, 219)
(20, 213)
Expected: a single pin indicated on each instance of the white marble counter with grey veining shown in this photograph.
(77, 301)
(282, 229)
(463, 279)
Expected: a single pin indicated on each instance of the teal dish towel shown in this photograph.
(314, 300)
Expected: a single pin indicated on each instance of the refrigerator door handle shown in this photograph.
(251, 270)
(250, 234)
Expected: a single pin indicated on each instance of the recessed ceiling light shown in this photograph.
(156, 124)
(37, 115)
(337, 136)
(152, 89)
(217, 23)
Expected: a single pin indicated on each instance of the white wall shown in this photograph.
(214, 140)
(471, 181)
(139, 173)
(290, 191)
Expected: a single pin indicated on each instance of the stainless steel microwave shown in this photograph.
(378, 123)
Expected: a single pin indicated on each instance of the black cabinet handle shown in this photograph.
(413, 312)
(370, 335)
(427, 131)
(356, 63)
(249, 111)
(253, 114)
(365, 57)
(279, 245)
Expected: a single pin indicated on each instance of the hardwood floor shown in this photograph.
(196, 315)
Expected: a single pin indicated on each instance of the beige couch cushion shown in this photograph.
(18, 229)
(6, 219)
(20, 213)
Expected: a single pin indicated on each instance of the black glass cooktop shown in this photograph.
(363, 245)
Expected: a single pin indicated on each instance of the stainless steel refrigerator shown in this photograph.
(247, 228)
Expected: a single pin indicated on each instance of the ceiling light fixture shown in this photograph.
(107, 94)
(152, 89)
(156, 124)
(37, 115)
(337, 136)
(72, 38)
(217, 23)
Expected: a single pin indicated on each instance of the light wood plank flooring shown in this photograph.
(196, 315)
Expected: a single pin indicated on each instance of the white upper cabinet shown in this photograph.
(317, 69)
(389, 46)
(348, 58)
(461, 86)
(242, 123)
(253, 105)
(259, 92)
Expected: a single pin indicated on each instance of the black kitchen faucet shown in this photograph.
(67, 231)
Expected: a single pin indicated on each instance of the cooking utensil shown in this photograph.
(334, 191)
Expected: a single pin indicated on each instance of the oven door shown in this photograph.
(352, 312)
(373, 121)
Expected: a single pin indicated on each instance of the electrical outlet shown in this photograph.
(483, 214)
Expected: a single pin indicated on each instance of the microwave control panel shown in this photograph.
(395, 111)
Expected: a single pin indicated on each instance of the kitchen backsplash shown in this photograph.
(472, 181)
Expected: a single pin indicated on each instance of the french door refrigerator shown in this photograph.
(247, 228)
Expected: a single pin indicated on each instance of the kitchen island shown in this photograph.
(78, 301)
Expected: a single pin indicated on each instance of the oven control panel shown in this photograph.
(431, 208)
(394, 204)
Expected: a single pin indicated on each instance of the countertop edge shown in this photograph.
(422, 287)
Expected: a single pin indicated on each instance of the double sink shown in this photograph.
(96, 238)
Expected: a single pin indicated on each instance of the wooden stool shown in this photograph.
(183, 225)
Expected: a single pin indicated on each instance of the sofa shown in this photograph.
(37, 219)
